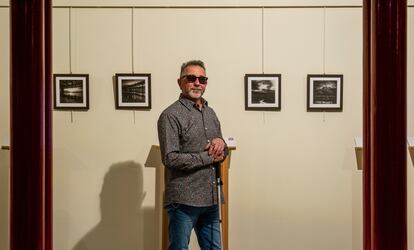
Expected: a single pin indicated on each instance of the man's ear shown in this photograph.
(178, 82)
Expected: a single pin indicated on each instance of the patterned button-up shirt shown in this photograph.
(183, 133)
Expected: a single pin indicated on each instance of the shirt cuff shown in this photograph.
(205, 158)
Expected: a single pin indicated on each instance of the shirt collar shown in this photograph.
(189, 103)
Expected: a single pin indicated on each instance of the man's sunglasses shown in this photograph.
(193, 78)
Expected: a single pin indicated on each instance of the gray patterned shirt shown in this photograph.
(183, 132)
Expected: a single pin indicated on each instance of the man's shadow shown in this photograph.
(121, 199)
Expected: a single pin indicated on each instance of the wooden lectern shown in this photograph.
(410, 142)
(358, 151)
(161, 220)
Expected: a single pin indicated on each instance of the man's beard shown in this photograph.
(195, 93)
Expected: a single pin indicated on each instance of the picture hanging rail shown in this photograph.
(132, 91)
(71, 91)
(324, 93)
(262, 92)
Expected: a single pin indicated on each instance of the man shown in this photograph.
(191, 147)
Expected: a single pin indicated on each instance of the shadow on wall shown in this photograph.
(122, 216)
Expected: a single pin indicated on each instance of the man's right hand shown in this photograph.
(215, 149)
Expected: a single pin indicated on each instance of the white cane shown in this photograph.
(219, 184)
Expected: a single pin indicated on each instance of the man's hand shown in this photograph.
(216, 149)
(219, 158)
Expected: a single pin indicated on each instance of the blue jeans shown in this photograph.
(204, 220)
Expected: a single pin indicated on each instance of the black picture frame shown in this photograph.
(71, 91)
(325, 92)
(133, 91)
(262, 92)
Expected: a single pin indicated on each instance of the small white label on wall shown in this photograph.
(358, 142)
(230, 141)
(5, 141)
(410, 141)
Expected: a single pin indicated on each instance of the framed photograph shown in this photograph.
(325, 93)
(71, 91)
(262, 92)
(133, 91)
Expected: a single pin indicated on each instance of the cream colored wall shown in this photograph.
(293, 180)
(200, 3)
(4, 77)
(204, 3)
(318, 202)
(4, 128)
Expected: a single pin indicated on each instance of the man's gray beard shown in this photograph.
(193, 93)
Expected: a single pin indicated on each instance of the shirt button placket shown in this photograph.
(212, 170)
